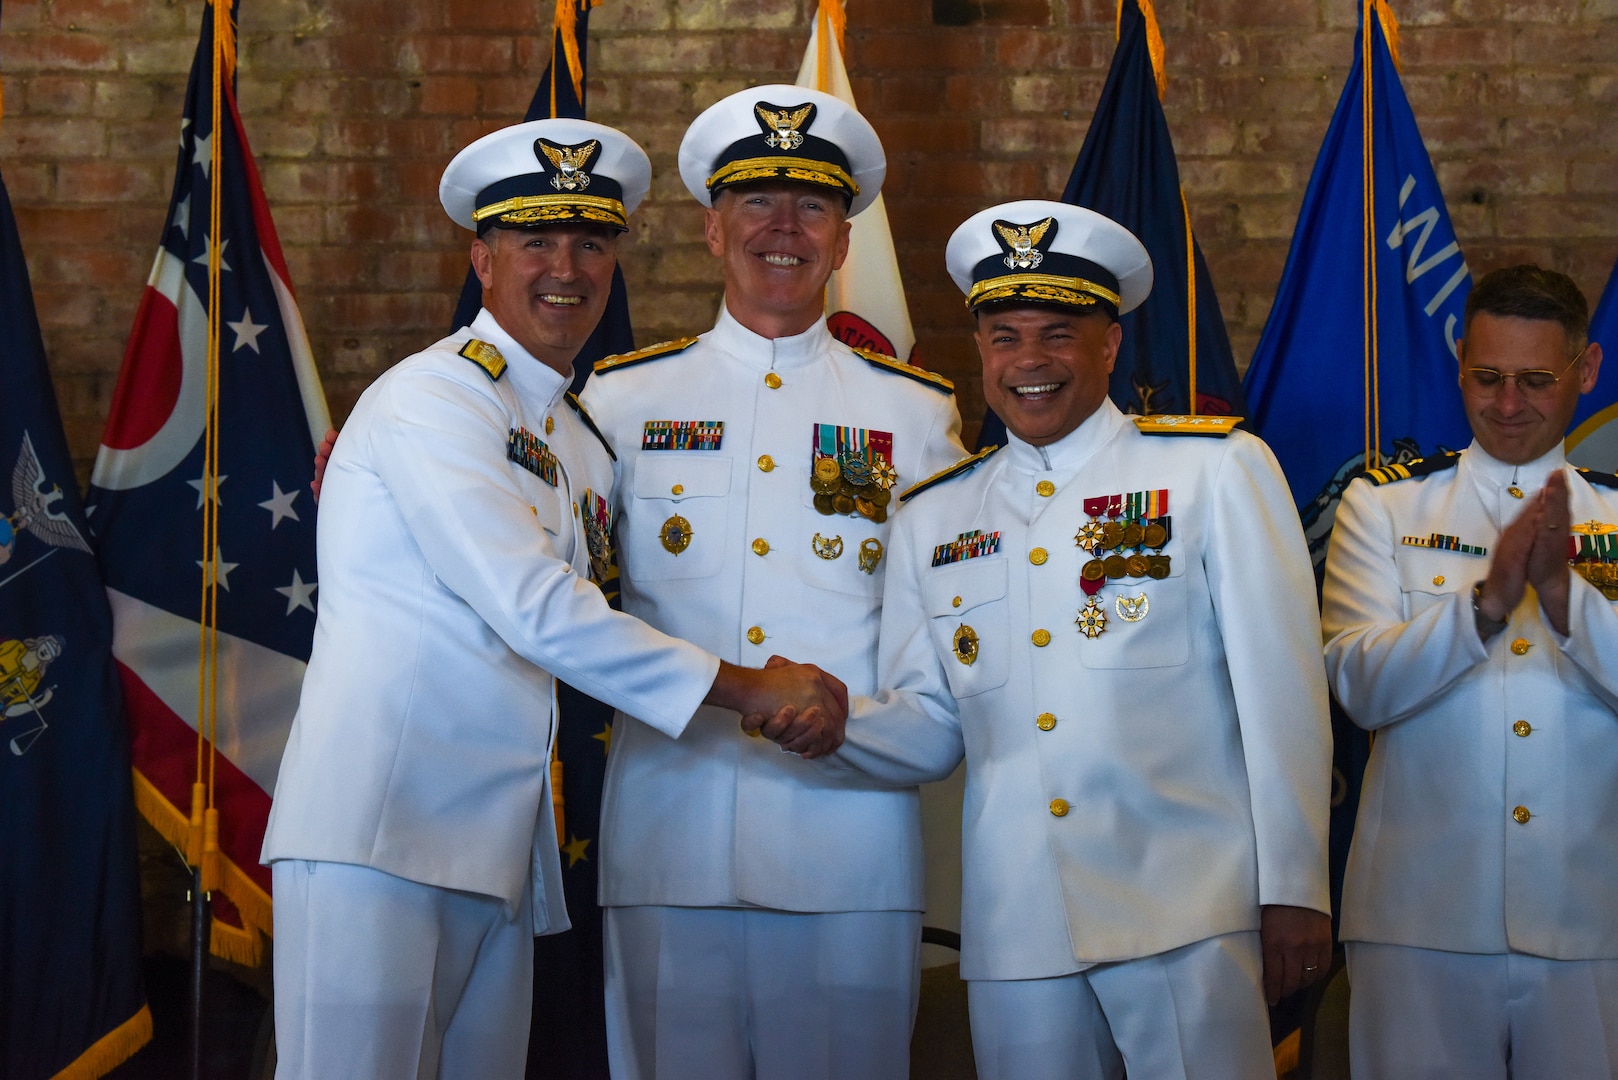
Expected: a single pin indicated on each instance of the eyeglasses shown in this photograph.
(1487, 381)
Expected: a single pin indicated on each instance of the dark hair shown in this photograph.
(1531, 292)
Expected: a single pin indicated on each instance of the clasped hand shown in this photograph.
(1533, 550)
(798, 706)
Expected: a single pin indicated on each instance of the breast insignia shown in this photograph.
(641, 356)
(1425, 466)
(485, 356)
(909, 371)
(1216, 427)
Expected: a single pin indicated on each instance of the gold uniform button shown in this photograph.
(677, 489)
(1046, 721)
(1521, 815)
(1041, 638)
(755, 634)
(1522, 729)
(1045, 488)
(550, 425)
(755, 734)
(1439, 580)
(1059, 808)
(1521, 646)
(955, 602)
(765, 463)
(1038, 556)
(773, 381)
(761, 546)
(1514, 491)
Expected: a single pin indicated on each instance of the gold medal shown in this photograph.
(1088, 536)
(1139, 565)
(1092, 620)
(966, 644)
(676, 535)
(827, 549)
(1112, 534)
(880, 515)
(1094, 570)
(1159, 568)
(827, 469)
(823, 503)
(865, 507)
(1155, 536)
(842, 503)
(1132, 609)
(1133, 534)
(1116, 566)
(870, 554)
(881, 496)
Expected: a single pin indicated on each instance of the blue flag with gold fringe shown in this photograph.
(568, 1038)
(1354, 372)
(71, 998)
(1593, 442)
(1126, 169)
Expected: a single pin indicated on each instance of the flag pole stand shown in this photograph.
(201, 925)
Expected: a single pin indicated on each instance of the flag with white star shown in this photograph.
(149, 490)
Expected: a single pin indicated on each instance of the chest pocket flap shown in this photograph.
(967, 616)
(678, 477)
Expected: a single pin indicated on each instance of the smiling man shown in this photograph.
(1113, 620)
(464, 512)
(1469, 608)
(763, 920)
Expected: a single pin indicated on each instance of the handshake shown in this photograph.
(798, 706)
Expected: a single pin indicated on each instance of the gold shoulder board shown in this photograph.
(1216, 427)
(960, 468)
(921, 375)
(640, 356)
(584, 414)
(485, 356)
(1426, 466)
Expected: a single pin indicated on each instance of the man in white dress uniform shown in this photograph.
(1112, 618)
(763, 918)
(1470, 623)
(464, 513)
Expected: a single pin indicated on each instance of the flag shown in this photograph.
(1593, 442)
(865, 298)
(1346, 370)
(1126, 170)
(71, 999)
(200, 505)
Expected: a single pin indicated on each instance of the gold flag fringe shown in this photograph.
(1154, 42)
(567, 26)
(112, 1049)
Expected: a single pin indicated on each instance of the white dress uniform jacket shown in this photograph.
(1134, 792)
(454, 589)
(715, 818)
(1468, 732)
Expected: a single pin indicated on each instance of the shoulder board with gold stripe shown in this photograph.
(960, 468)
(578, 407)
(921, 375)
(1600, 479)
(640, 356)
(1215, 427)
(1426, 466)
(485, 356)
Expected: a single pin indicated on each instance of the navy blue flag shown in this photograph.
(177, 502)
(1357, 359)
(71, 998)
(1593, 442)
(1126, 170)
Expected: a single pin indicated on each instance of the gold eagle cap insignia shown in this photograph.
(569, 162)
(1023, 241)
(784, 125)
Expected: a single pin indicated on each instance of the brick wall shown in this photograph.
(354, 106)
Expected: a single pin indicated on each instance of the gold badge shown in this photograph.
(828, 549)
(676, 534)
(783, 125)
(1092, 619)
(870, 554)
(966, 644)
(1132, 609)
(1021, 254)
(569, 163)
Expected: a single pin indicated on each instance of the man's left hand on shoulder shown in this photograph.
(1297, 948)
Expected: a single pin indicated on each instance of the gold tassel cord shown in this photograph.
(1190, 302)
(1373, 387)
(1390, 29)
(831, 23)
(567, 28)
(1154, 42)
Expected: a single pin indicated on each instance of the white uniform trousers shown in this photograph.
(745, 993)
(1192, 1013)
(381, 978)
(1422, 1014)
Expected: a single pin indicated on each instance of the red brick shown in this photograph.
(121, 17)
(58, 52)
